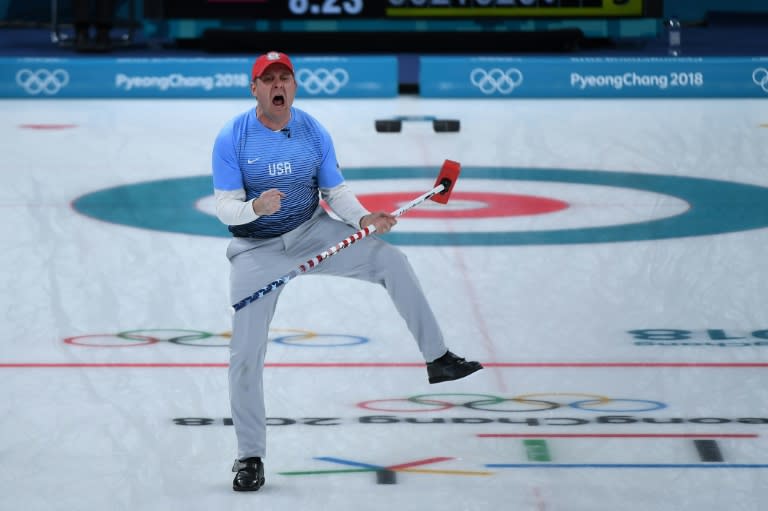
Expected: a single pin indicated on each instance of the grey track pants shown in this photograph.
(255, 263)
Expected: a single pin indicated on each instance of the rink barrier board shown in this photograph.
(377, 77)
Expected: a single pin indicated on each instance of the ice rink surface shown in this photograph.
(624, 332)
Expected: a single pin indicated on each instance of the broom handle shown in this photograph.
(335, 249)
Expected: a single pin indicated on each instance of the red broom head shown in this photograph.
(449, 173)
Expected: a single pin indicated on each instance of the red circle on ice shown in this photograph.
(465, 205)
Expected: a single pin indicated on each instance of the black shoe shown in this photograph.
(250, 474)
(450, 367)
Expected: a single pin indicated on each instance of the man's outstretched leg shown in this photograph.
(377, 261)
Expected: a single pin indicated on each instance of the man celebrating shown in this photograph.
(271, 167)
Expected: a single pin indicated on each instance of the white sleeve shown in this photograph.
(344, 203)
(232, 208)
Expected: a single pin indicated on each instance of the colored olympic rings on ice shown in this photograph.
(201, 338)
(522, 403)
(333, 340)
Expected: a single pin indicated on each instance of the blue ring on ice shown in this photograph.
(716, 206)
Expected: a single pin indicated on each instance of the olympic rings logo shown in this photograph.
(518, 404)
(760, 77)
(200, 338)
(322, 80)
(42, 81)
(496, 80)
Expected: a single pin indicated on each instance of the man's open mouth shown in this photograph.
(278, 100)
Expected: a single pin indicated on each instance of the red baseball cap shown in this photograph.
(266, 60)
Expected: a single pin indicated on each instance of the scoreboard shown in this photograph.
(408, 9)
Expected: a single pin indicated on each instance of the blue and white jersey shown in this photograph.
(297, 160)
